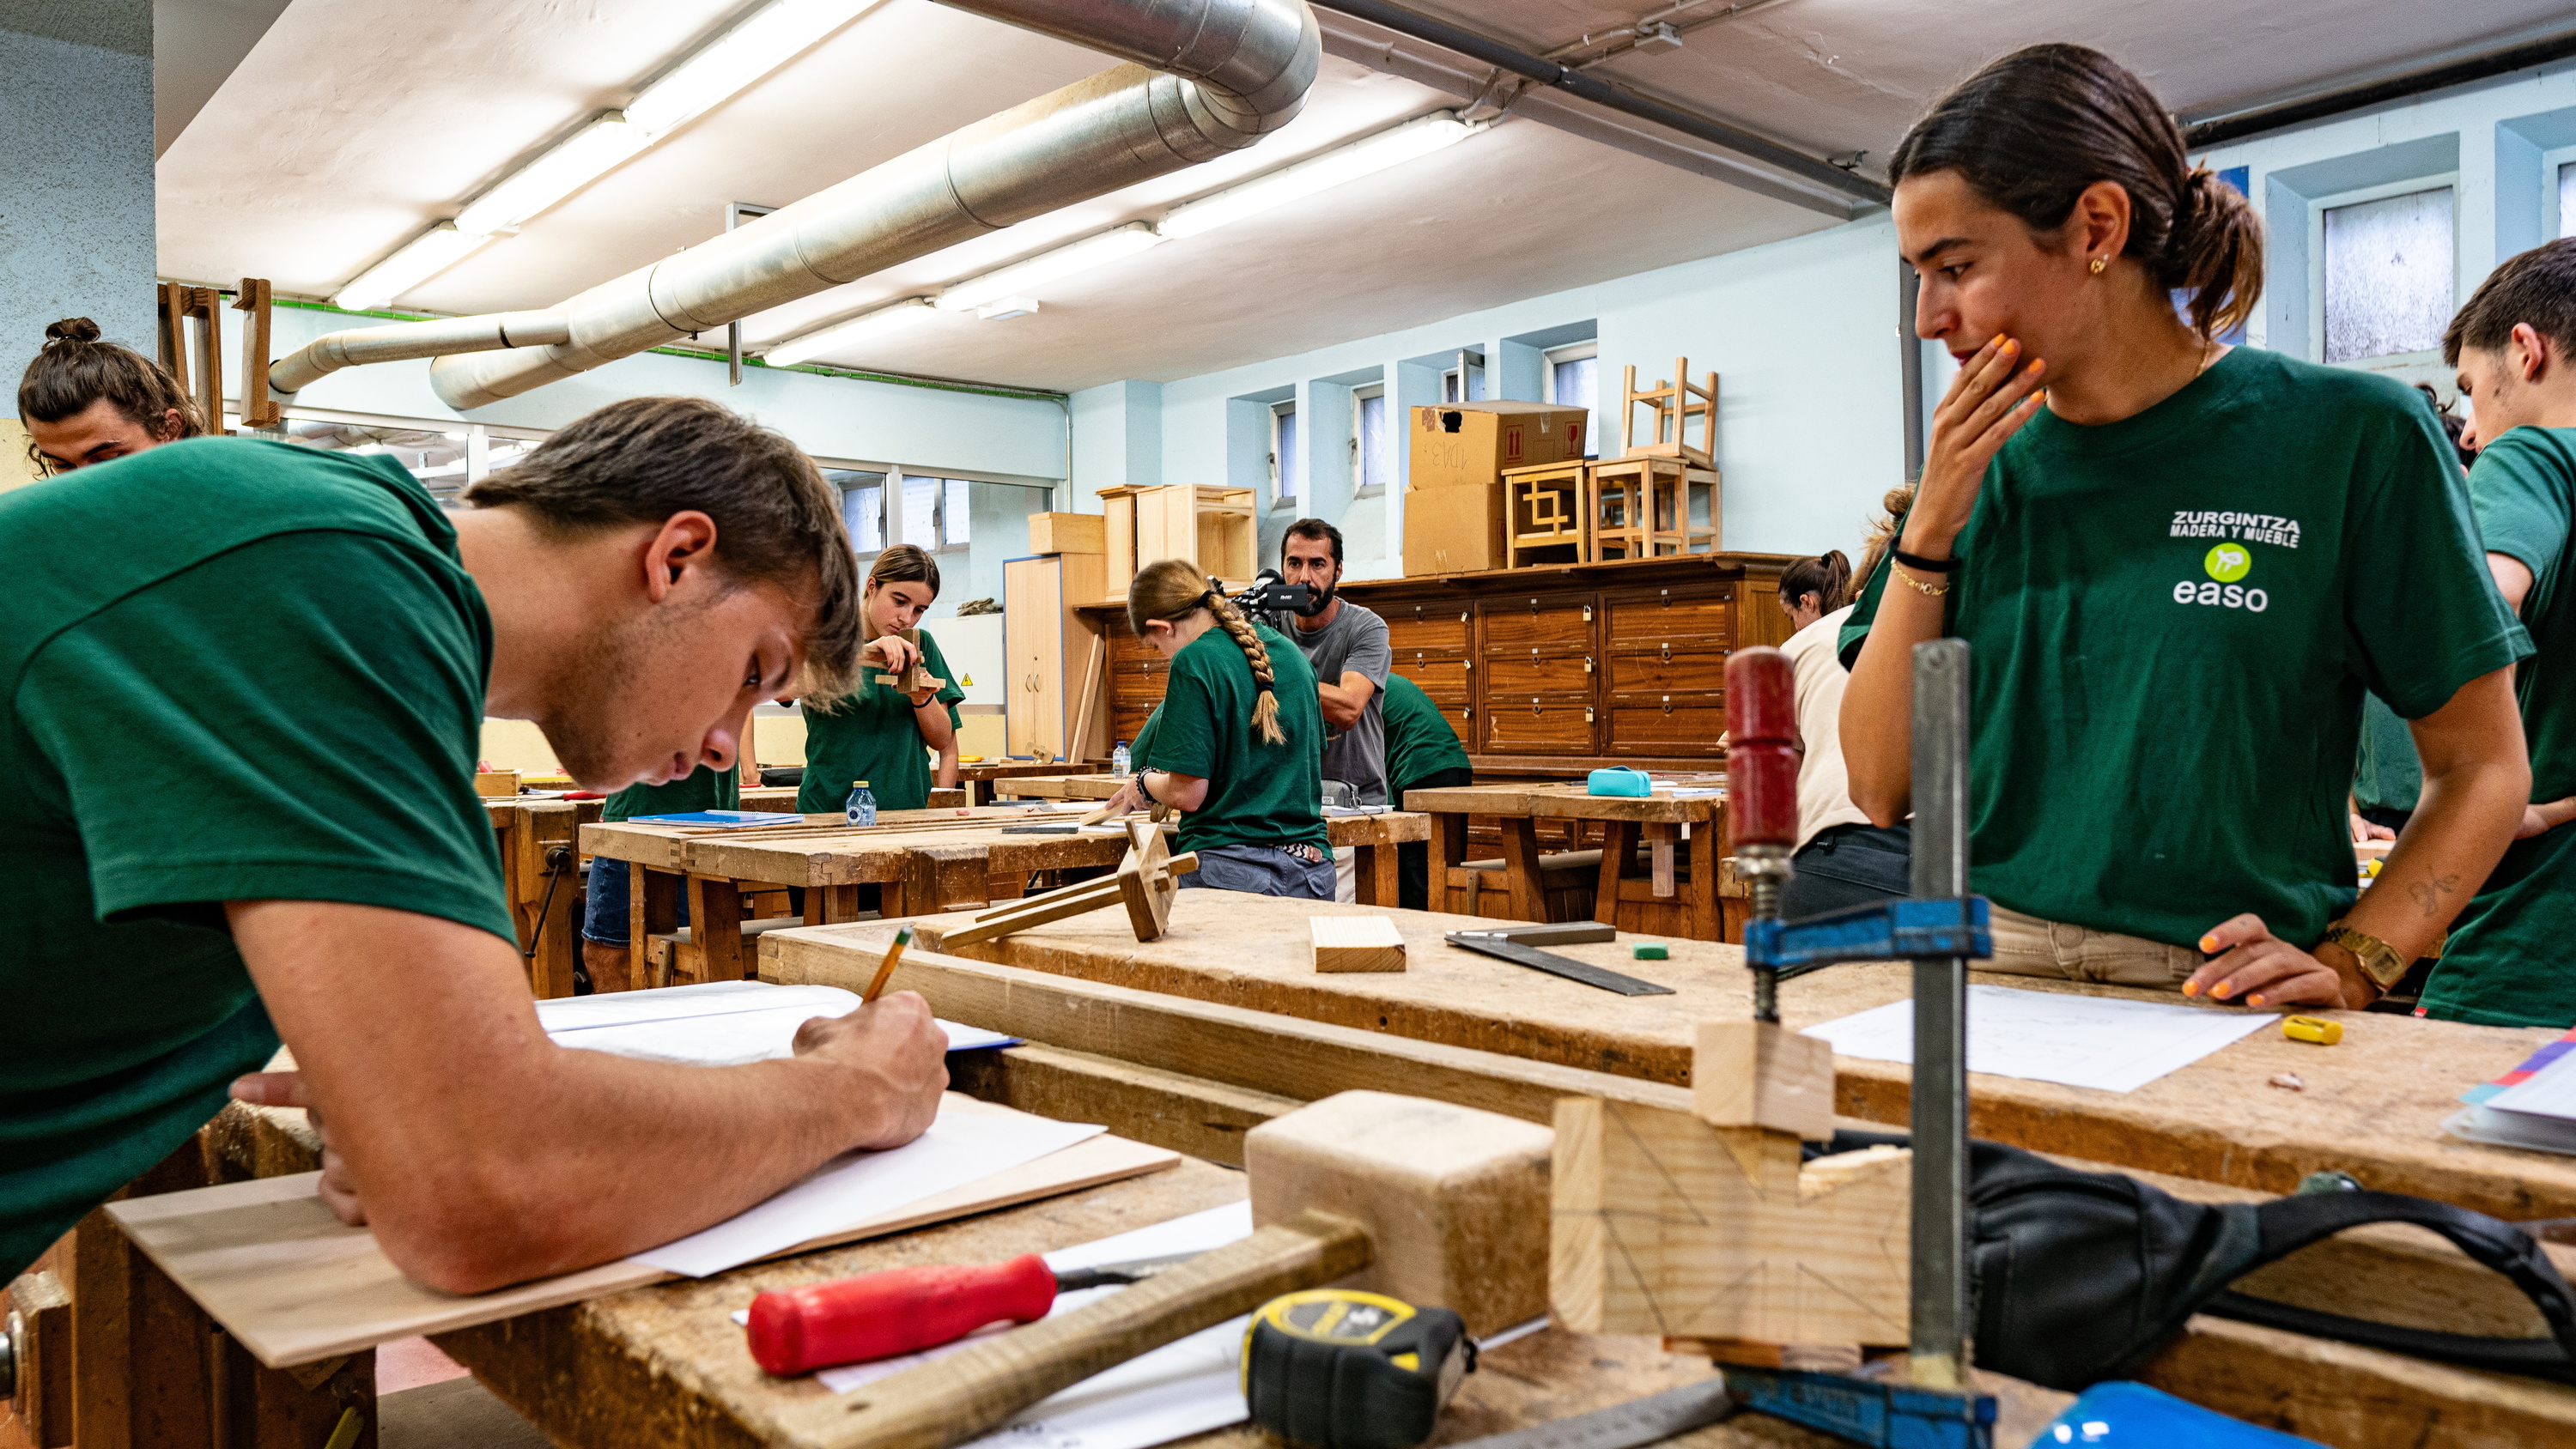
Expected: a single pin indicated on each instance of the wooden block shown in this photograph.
(1452, 1197)
(2354, 1397)
(1761, 1074)
(1357, 943)
(44, 1395)
(1068, 533)
(496, 783)
(1665, 1224)
(1203, 1118)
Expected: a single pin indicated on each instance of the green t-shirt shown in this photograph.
(2506, 963)
(235, 670)
(2173, 618)
(1419, 740)
(872, 735)
(705, 788)
(2387, 775)
(1258, 794)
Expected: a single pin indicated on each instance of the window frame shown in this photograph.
(2316, 219)
(2551, 163)
(1361, 396)
(1550, 360)
(1468, 367)
(1281, 495)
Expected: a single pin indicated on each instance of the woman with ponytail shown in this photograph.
(2173, 560)
(84, 401)
(1843, 860)
(1237, 745)
(879, 733)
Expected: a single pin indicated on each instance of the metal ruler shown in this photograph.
(1649, 1420)
(1498, 944)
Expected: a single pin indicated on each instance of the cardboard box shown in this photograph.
(1453, 530)
(1463, 445)
(1068, 533)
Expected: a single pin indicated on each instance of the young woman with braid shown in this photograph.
(1237, 745)
(84, 401)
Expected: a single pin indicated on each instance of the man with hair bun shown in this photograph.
(2515, 347)
(84, 401)
(246, 682)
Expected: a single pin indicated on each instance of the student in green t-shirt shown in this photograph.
(1422, 753)
(245, 684)
(2515, 347)
(877, 733)
(1236, 746)
(2175, 576)
(86, 402)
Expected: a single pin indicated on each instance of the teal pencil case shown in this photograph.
(1618, 780)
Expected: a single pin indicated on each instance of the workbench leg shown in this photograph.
(652, 908)
(1380, 875)
(1661, 838)
(1707, 912)
(1448, 850)
(1520, 869)
(297, 1408)
(141, 1350)
(1618, 842)
(715, 924)
(549, 899)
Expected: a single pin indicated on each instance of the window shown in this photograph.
(862, 507)
(1283, 455)
(1370, 463)
(441, 455)
(1574, 380)
(2567, 199)
(1464, 382)
(2388, 275)
(956, 513)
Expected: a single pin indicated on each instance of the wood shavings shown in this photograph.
(2289, 1082)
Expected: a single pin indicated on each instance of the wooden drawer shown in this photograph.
(1552, 624)
(1643, 620)
(1668, 671)
(1130, 691)
(1427, 626)
(1507, 677)
(1680, 724)
(1545, 724)
(1462, 719)
(1443, 675)
(1126, 723)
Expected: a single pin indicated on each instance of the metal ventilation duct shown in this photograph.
(1206, 77)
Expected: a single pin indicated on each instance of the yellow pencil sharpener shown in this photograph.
(2314, 1029)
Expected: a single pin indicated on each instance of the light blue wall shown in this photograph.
(925, 430)
(1802, 334)
(76, 222)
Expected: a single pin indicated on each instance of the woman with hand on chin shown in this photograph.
(879, 733)
(2171, 559)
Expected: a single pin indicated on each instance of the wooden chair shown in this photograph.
(1676, 403)
(1640, 507)
(1547, 511)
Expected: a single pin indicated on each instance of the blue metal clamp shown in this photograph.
(1898, 930)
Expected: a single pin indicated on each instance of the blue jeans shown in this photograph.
(1850, 865)
(604, 911)
(1261, 870)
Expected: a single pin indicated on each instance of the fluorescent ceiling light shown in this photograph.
(907, 313)
(1387, 148)
(1024, 278)
(584, 157)
(759, 45)
(428, 254)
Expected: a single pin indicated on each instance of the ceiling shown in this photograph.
(351, 125)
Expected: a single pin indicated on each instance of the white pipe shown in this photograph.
(435, 337)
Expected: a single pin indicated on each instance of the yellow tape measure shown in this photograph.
(1337, 1368)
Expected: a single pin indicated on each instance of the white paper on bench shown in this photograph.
(712, 1024)
(2110, 1043)
(958, 1149)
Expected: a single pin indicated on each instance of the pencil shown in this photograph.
(902, 938)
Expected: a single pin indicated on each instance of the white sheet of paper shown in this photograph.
(712, 1024)
(2109, 1043)
(2549, 1092)
(958, 1149)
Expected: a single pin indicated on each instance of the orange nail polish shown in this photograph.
(2208, 944)
(2220, 990)
(2191, 988)
(2254, 1001)
(1998, 342)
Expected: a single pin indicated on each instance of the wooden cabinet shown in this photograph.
(1048, 645)
(1553, 669)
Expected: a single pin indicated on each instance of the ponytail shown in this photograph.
(1173, 589)
(1827, 576)
(1883, 531)
(2030, 131)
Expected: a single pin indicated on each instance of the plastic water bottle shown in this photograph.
(862, 806)
(1118, 760)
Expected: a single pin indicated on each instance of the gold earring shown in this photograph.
(2099, 263)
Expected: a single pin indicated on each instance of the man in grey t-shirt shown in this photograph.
(1348, 647)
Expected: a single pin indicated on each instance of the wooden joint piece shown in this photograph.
(1761, 1074)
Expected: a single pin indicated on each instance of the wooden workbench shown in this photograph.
(922, 861)
(1061, 786)
(2371, 1106)
(990, 778)
(544, 890)
(1680, 893)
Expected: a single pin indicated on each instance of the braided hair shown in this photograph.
(1174, 589)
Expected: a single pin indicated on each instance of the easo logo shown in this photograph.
(2226, 563)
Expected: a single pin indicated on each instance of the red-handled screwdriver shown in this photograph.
(902, 1310)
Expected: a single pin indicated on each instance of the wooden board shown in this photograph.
(1356, 943)
(294, 1284)
(2373, 1106)
(1569, 802)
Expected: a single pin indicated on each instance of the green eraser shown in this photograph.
(1648, 953)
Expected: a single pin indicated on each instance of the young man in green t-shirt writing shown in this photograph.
(2515, 347)
(245, 684)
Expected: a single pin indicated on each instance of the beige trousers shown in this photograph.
(2029, 946)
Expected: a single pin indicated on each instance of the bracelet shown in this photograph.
(1924, 565)
(1919, 586)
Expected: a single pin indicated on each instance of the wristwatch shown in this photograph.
(2379, 960)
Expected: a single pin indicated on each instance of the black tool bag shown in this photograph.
(2081, 1276)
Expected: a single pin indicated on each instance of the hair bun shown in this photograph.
(72, 329)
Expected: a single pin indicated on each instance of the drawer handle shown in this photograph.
(1668, 597)
(1666, 651)
(1466, 663)
(1668, 704)
(1462, 616)
(1587, 613)
(1534, 709)
(1587, 664)
(1587, 714)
